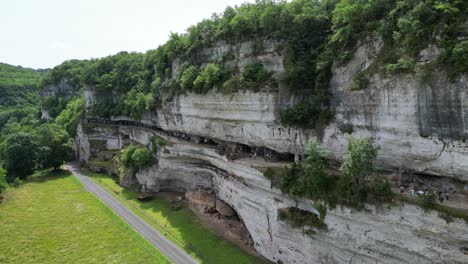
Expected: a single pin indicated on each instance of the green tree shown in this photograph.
(71, 115)
(315, 180)
(188, 77)
(209, 77)
(54, 146)
(136, 157)
(3, 183)
(357, 169)
(18, 153)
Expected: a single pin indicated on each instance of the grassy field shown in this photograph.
(52, 219)
(183, 224)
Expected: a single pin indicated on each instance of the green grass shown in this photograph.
(52, 219)
(183, 226)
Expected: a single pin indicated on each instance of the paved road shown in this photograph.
(167, 247)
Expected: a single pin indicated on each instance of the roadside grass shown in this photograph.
(52, 219)
(182, 224)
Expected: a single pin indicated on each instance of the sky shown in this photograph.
(44, 33)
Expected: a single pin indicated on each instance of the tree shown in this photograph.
(3, 183)
(136, 157)
(54, 146)
(18, 153)
(315, 180)
(71, 115)
(357, 169)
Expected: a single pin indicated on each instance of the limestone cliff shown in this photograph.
(419, 126)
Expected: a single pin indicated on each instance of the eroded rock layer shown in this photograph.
(419, 125)
(401, 234)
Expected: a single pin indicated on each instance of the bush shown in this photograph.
(232, 85)
(157, 143)
(402, 65)
(268, 173)
(383, 191)
(255, 77)
(302, 115)
(3, 183)
(357, 170)
(188, 77)
(460, 57)
(360, 82)
(209, 77)
(136, 157)
(299, 218)
(16, 183)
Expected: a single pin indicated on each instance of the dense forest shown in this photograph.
(26, 141)
(315, 35)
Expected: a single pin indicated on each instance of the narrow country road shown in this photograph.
(167, 247)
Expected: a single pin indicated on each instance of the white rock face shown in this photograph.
(63, 89)
(419, 125)
(402, 234)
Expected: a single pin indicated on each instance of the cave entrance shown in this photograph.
(220, 217)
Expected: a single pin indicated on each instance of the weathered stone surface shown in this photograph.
(224, 209)
(419, 126)
(201, 198)
(63, 89)
(402, 234)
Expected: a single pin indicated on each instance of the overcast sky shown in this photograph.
(44, 33)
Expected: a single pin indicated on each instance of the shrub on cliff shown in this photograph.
(357, 170)
(308, 178)
(71, 115)
(209, 77)
(136, 157)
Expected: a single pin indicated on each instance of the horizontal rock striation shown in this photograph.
(419, 125)
(401, 234)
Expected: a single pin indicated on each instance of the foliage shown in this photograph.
(360, 82)
(299, 218)
(157, 143)
(305, 115)
(136, 102)
(308, 178)
(18, 86)
(136, 157)
(54, 105)
(55, 146)
(59, 222)
(70, 116)
(70, 71)
(355, 186)
(402, 65)
(459, 57)
(357, 169)
(255, 76)
(16, 183)
(3, 183)
(209, 77)
(383, 191)
(188, 77)
(18, 153)
(268, 173)
(407, 27)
